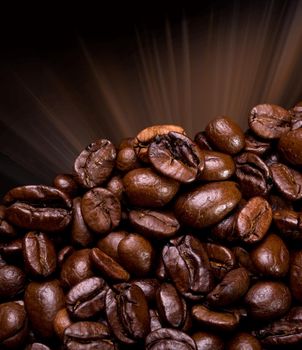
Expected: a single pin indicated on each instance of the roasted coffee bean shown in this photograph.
(208, 341)
(101, 210)
(136, 255)
(225, 230)
(38, 208)
(126, 142)
(221, 259)
(271, 257)
(295, 275)
(233, 286)
(201, 140)
(145, 137)
(284, 332)
(116, 186)
(127, 313)
(207, 204)
(76, 268)
(95, 164)
(108, 267)
(218, 166)
(12, 250)
(149, 286)
(279, 203)
(64, 253)
(12, 281)
(188, 266)
(225, 135)
(146, 188)
(243, 259)
(169, 339)
(171, 306)
(14, 325)
(109, 243)
(154, 320)
(37, 346)
(215, 320)
(253, 175)
(80, 233)
(127, 160)
(7, 231)
(154, 224)
(253, 220)
(88, 336)
(268, 300)
(160, 271)
(269, 121)
(289, 223)
(61, 322)
(176, 156)
(87, 298)
(255, 145)
(42, 302)
(244, 341)
(288, 181)
(290, 146)
(67, 184)
(39, 254)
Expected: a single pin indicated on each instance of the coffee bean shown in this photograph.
(201, 140)
(218, 166)
(290, 146)
(37, 346)
(295, 275)
(207, 204)
(109, 243)
(221, 259)
(67, 184)
(289, 224)
(244, 341)
(149, 286)
(127, 159)
(208, 341)
(61, 322)
(256, 145)
(116, 186)
(95, 164)
(12, 281)
(269, 121)
(7, 231)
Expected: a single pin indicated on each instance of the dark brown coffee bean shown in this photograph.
(233, 286)
(76, 268)
(80, 233)
(176, 156)
(12, 250)
(116, 186)
(244, 341)
(149, 286)
(169, 339)
(38, 208)
(279, 203)
(160, 271)
(108, 267)
(12, 281)
(136, 254)
(127, 313)
(171, 306)
(126, 142)
(215, 320)
(253, 220)
(295, 275)
(146, 188)
(268, 300)
(7, 231)
(39, 254)
(208, 341)
(255, 145)
(290, 146)
(109, 243)
(88, 336)
(288, 181)
(154, 224)
(101, 210)
(244, 260)
(225, 135)
(127, 159)
(284, 332)
(271, 257)
(188, 266)
(222, 260)
(37, 346)
(66, 183)
(269, 121)
(225, 230)
(253, 175)
(14, 325)
(207, 204)
(147, 135)
(218, 166)
(64, 253)
(94, 165)
(154, 320)
(201, 140)
(42, 302)
(61, 322)
(289, 223)
(87, 298)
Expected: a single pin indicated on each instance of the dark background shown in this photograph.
(70, 73)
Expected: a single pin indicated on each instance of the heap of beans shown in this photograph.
(161, 243)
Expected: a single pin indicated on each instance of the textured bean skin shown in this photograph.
(12, 281)
(290, 146)
(207, 204)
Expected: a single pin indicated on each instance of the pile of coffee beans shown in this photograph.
(161, 243)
